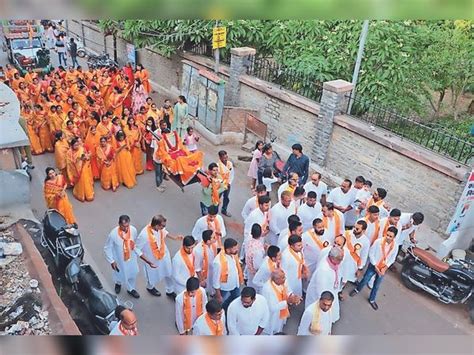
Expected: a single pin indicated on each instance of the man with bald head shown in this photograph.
(127, 324)
(327, 277)
(279, 297)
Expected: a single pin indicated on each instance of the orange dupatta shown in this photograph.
(225, 175)
(217, 328)
(383, 261)
(376, 231)
(316, 240)
(337, 223)
(188, 311)
(353, 249)
(158, 253)
(225, 268)
(299, 260)
(215, 198)
(189, 264)
(216, 227)
(282, 295)
(128, 243)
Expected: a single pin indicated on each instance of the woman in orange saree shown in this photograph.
(134, 138)
(61, 148)
(108, 168)
(91, 143)
(55, 195)
(79, 171)
(33, 130)
(125, 168)
(71, 131)
(44, 133)
(55, 121)
(142, 74)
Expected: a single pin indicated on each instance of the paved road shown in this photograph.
(401, 311)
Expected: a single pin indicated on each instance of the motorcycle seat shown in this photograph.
(431, 260)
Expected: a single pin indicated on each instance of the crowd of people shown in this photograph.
(302, 244)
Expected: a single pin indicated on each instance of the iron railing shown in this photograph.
(436, 139)
(266, 68)
(205, 49)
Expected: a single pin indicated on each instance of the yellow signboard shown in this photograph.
(219, 35)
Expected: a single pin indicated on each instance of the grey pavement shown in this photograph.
(401, 312)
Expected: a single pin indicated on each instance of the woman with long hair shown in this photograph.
(267, 160)
(147, 139)
(44, 133)
(61, 147)
(108, 168)
(79, 171)
(55, 195)
(253, 169)
(142, 74)
(139, 96)
(134, 138)
(91, 143)
(180, 122)
(125, 167)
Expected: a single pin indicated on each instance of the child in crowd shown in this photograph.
(363, 196)
(268, 180)
(191, 139)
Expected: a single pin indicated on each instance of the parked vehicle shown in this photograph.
(22, 42)
(64, 243)
(100, 61)
(450, 281)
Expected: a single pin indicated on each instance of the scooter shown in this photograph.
(64, 243)
(449, 280)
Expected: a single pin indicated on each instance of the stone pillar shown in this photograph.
(333, 103)
(238, 66)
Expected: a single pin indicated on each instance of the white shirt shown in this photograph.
(263, 273)
(256, 216)
(229, 168)
(279, 216)
(351, 265)
(154, 144)
(268, 183)
(201, 328)
(325, 321)
(307, 214)
(180, 271)
(382, 227)
(291, 266)
(282, 188)
(249, 206)
(179, 308)
(233, 277)
(275, 324)
(405, 218)
(311, 250)
(339, 198)
(321, 189)
(201, 225)
(375, 253)
(331, 226)
(246, 321)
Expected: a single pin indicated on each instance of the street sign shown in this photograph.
(219, 37)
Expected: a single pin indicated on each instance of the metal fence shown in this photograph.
(205, 49)
(267, 69)
(436, 139)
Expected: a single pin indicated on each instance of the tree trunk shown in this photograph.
(442, 93)
(470, 109)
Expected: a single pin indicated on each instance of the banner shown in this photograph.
(465, 203)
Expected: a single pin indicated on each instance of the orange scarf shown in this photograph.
(353, 249)
(271, 265)
(383, 261)
(316, 239)
(187, 306)
(371, 202)
(189, 263)
(158, 253)
(376, 231)
(300, 261)
(217, 328)
(128, 243)
(225, 174)
(337, 223)
(225, 268)
(216, 227)
(205, 260)
(282, 295)
(215, 184)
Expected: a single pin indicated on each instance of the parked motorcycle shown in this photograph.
(64, 243)
(100, 61)
(450, 281)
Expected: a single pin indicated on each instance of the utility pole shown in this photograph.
(360, 53)
(216, 54)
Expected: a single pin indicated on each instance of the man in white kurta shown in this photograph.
(269, 264)
(151, 241)
(122, 252)
(373, 223)
(252, 202)
(261, 216)
(295, 227)
(226, 174)
(317, 318)
(314, 240)
(343, 197)
(211, 221)
(293, 264)
(204, 253)
(183, 264)
(248, 314)
(317, 186)
(410, 223)
(279, 216)
(327, 277)
(279, 297)
(289, 186)
(309, 211)
(393, 220)
(333, 221)
(212, 322)
(358, 245)
(196, 295)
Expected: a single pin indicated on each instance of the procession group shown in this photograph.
(301, 243)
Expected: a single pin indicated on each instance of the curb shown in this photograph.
(61, 321)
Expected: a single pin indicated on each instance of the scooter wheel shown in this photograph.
(81, 53)
(405, 274)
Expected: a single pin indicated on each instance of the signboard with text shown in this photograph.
(466, 202)
(219, 37)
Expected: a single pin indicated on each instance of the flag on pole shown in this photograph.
(30, 33)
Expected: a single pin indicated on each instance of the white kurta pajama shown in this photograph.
(308, 214)
(179, 308)
(199, 263)
(275, 324)
(201, 328)
(324, 279)
(250, 205)
(279, 220)
(255, 217)
(351, 266)
(246, 321)
(201, 225)
(321, 189)
(113, 250)
(263, 273)
(291, 266)
(181, 273)
(331, 226)
(325, 320)
(312, 250)
(163, 268)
